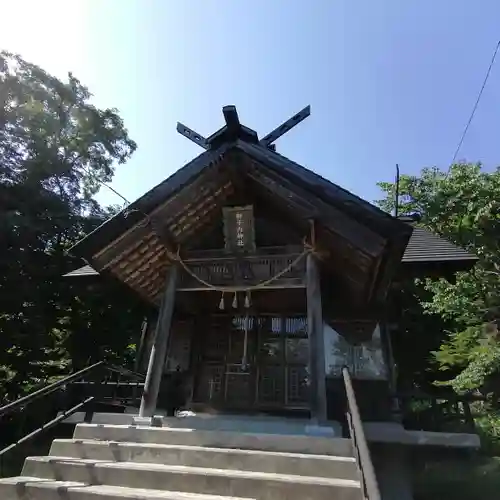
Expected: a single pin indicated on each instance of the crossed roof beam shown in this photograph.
(233, 127)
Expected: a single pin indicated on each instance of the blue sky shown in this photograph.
(388, 81)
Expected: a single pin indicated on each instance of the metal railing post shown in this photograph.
(363, 456)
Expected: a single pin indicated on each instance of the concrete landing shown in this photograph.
(394, 433)
(261, 424)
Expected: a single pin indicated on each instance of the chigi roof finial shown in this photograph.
(234, 130)
(267, 140)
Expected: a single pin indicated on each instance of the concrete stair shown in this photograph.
(218, 422)
(108, 462)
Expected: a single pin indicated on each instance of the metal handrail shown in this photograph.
(125, 371)
(44, 391)
(369, 481)
(74, 378)
(48, 425)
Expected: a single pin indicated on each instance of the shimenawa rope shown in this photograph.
(232, 289)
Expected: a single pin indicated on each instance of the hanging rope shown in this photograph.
(233, 289)
(244, 360)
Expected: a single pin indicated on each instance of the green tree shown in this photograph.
(55, 150)
(462, 205)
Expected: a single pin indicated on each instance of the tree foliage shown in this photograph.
(462, 205)
(55, 150)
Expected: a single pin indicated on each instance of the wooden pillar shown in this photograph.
(317, 382)
(159, 351)
(140, 351)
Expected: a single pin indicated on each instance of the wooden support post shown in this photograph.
(140, 351)
(159, 351)
(317, 384)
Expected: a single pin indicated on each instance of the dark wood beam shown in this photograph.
(374, 279)
(357, 208)
(389, 267)
(338, 254)
(302, 207)
(198, 139)
(233, 167)
(317, 386)
(159, 350)
(142, 342)
(231, 117)
(243, 271)
(217, 254)
(340, 257)
(266, 205)
(313, 208)
(285, 127)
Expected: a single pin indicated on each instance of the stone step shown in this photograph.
(246, 484)
(216, 458)
(203, 421)
(26, 488)
(254, 424)
(339, 447)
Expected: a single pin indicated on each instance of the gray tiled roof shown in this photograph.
(82, 271)
(425, 246)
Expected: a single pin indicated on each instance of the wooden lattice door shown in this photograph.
(224, 379)
(275, 376)
(282, 362)
(214, 344)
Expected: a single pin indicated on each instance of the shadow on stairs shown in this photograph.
(177, 461)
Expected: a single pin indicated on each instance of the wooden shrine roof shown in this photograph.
(314, 183)
(365, 244)
(190, 200)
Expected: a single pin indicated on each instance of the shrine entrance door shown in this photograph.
(264, 369)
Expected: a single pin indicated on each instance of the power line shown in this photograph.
(106, 185)
(476, 104)
(116, 192)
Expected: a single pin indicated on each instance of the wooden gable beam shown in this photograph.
(391, 265)
(355, 206)
(141, 232)
(342, 257)
(353, 279)
(313, 208)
